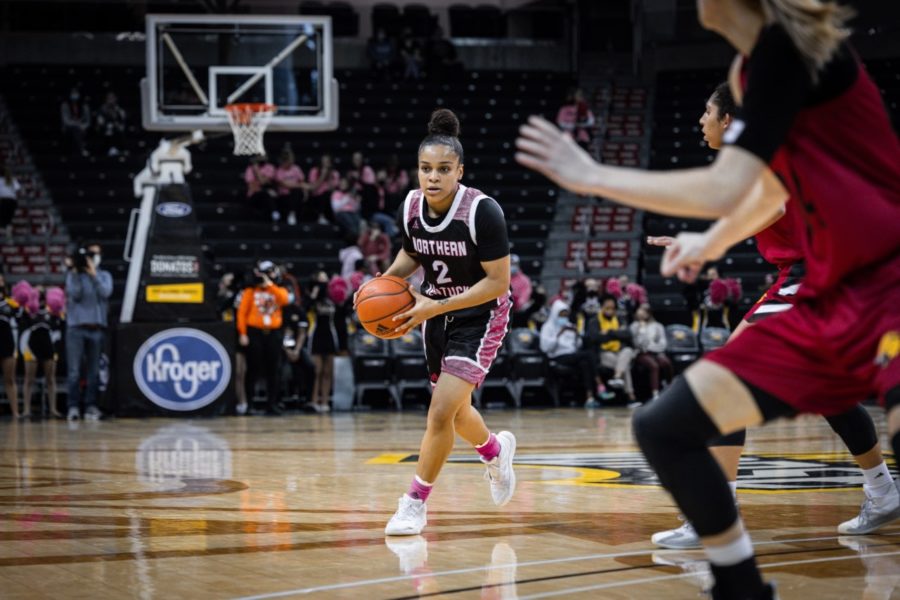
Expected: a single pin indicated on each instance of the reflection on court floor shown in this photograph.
(296, 506)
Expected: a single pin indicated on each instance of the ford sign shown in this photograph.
(182, 369)
(173, 209)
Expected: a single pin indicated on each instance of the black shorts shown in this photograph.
(465, 346)
(7, 340)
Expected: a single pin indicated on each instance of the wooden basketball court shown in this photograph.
(295, 507)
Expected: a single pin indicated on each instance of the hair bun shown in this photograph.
(443, 122)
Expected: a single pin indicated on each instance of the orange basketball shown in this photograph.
(379, 300)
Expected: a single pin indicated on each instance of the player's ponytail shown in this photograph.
(817, 28)
(443, 130)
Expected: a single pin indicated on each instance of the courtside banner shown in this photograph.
(174, 272)
(189, 293)
(166, 369)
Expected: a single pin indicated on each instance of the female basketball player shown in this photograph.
(810, 110)
(458, 235)
(779, 243)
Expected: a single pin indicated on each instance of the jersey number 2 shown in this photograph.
(442, 269)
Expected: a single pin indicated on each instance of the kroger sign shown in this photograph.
(182, 369)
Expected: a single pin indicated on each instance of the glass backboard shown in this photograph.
(197, 64)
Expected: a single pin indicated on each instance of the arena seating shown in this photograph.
(677, 143)
(94, 194)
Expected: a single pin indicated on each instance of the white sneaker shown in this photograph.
(291, 218)
(500, 470)
(74, 414)
(276, 216)
(616, 383)
(412, 552)
(92, 413)
(874, 513)
(322, 220)
(241, 408)
(410, 518)
(682, 538)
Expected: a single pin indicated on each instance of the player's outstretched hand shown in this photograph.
(660, 240)
(543, 147)
(422, 310)
(685, 256)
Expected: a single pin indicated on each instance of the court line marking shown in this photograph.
(532, 563)
(628, 582)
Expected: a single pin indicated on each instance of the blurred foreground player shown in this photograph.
(806, 101)
(780, 244)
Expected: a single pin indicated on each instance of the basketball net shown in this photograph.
(248, 122)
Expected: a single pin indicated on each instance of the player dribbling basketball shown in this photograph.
(458, 236)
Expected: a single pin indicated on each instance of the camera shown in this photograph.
(80, 260)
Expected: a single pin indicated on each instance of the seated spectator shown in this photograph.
(561, 342)
(375, 246)
(9, 194)
(649, 339)
(521, 288)
(291, 186)
(323, 180)
(395, 183)
(345, 206)
(382, 54)
(575, 117)
(261, 186)
(348, 255)
(411, 55)
(605, 335)
(441, 60)
(111, 125)
(76, 119)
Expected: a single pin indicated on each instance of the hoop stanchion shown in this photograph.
(248, 122)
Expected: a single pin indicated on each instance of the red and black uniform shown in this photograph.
(842, 166)
(781, 245)
(450, 249)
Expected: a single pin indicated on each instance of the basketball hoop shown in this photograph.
(248, 123)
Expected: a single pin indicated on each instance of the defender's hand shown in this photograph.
(543, 147)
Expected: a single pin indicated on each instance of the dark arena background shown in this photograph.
(171, 427)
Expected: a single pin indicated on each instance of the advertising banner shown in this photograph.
(165, 369)
(174, 273)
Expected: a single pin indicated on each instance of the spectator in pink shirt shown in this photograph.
(292, 191)
(520, 286)
(362, 181)
(576, 118)
(376, 248)
(395, 183)
(261, 185)
(345, 206)
(323, 180)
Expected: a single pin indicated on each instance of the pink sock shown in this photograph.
(419, 489)
(490, 448)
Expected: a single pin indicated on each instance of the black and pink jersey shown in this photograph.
(840, 156)
(452, 247)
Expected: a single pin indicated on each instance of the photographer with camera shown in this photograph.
(259, 320)
(88, 289)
